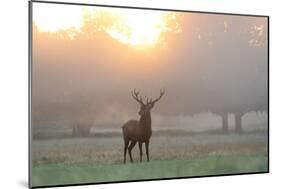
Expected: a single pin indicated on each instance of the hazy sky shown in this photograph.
(85, 67)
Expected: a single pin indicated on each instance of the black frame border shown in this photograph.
(30, 50)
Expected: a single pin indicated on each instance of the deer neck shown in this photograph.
(145, 121)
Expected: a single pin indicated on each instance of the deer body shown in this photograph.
(139, 131)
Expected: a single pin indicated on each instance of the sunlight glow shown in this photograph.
(53, 17)
(138, 28)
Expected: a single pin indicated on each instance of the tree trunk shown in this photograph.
(224, 122)
(238, 122)
(81, 131)
(74, 131)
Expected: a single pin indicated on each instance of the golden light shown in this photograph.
(134, 27)
(141, 28)
(53, 17)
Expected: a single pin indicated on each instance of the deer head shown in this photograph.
(146, 107)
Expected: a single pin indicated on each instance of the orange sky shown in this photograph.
(136, 28)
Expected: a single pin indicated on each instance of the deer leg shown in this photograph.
(131, 146)
(125, 149)
(147, 149)
(140, 147)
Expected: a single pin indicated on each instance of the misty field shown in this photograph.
(100, 158)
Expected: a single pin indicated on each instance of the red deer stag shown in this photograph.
(139, 130)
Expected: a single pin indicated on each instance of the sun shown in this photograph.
(140, 28)
(133, 27)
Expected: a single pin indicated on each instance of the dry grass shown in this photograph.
(110, 149)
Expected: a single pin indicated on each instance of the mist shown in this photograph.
(217, 64)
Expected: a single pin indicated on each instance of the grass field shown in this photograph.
(99, 159)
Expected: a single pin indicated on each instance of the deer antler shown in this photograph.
(162, 92)
(148, 101)
(135, 95)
